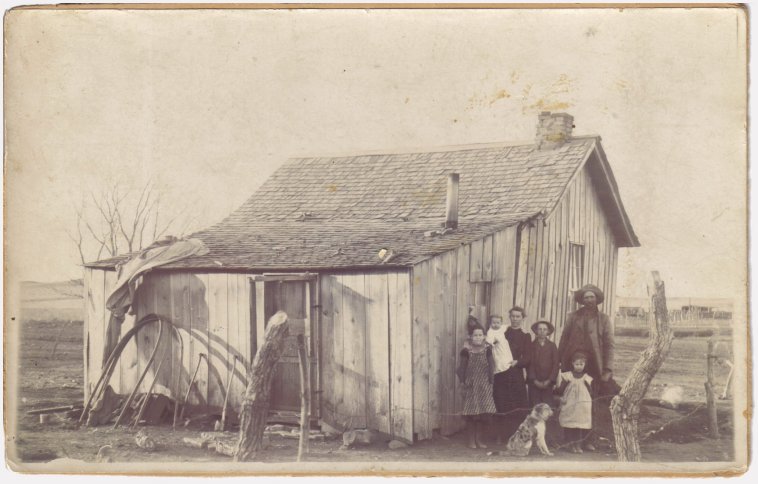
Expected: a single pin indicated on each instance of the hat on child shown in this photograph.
(550, 327)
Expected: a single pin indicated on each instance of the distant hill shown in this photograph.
(52, 301)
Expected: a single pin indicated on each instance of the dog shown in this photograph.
(531, 431)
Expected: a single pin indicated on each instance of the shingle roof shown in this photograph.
(495, 181)
(337, 212)
(318, 244)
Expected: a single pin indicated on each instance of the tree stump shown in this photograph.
(255, 405)
(625, 407)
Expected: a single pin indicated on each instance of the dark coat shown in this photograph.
(597, 342)
(544, 362)
(462, 369)
(519, 341)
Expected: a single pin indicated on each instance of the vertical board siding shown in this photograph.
(487, 253)
(401, 390)
(144, 304)
(476, 264)
(442, 325)
(93, 339)
(328, 395)
(241, 345)
(85, 331)
(443, 291)
(354, 349)
(338, 323)
(544, 284)
(448, 340)
(219, 322)
(523, 266)
(109, 280)
(421, 325)
(377, 353)
(436, 311)
(212, 316)
(198, 312)
(180, 315)
(463, 299)
(164, 357)
(315, 348)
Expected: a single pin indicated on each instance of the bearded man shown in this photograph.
(590, 331)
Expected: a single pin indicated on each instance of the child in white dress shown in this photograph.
(576, 402)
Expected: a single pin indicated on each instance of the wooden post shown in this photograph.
(625, 407)
(710, 393)
(226, 395)
(305, 399)
(255, 405)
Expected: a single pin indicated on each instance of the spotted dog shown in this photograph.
(531, 431)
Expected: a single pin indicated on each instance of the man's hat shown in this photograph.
(550, 327)
(579, 294)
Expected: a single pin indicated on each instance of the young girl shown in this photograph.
(576, 402)
(475, 372)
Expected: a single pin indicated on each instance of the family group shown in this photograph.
(504, 372)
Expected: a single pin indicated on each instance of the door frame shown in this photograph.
(258, 308)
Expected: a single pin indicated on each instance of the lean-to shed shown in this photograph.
(355, 250)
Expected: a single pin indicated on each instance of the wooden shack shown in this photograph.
(356, 250)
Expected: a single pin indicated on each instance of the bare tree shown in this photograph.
(119, 220)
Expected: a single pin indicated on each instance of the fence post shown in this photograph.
(625, 407)
(710, 394)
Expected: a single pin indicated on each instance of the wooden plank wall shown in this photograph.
(444, 287)
(377, 354)
(365, 339)
(401, 355)
(94, 328)
(212, 313)
(543, 277)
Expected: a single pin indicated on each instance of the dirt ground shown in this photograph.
(49, 380)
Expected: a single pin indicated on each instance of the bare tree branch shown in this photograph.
(117, 217)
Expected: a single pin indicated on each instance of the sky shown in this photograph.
(207, 104)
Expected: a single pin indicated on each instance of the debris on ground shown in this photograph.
(105, 454)
(221, 442)
(361, 436)
(293, 433)
(144, 441)
(105, 409)
(158, 409)
(203, 420)
(396, 444)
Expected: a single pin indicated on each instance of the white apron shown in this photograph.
(576, 402)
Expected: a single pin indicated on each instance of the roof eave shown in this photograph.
(628, 237)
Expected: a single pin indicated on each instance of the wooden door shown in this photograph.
(291, 294)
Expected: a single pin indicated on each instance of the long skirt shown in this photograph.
(509, 391)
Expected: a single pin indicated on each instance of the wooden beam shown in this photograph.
(305, 396)
(284, 277)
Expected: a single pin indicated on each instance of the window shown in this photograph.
(576, 268)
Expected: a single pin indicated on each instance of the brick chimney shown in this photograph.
(553, 129)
